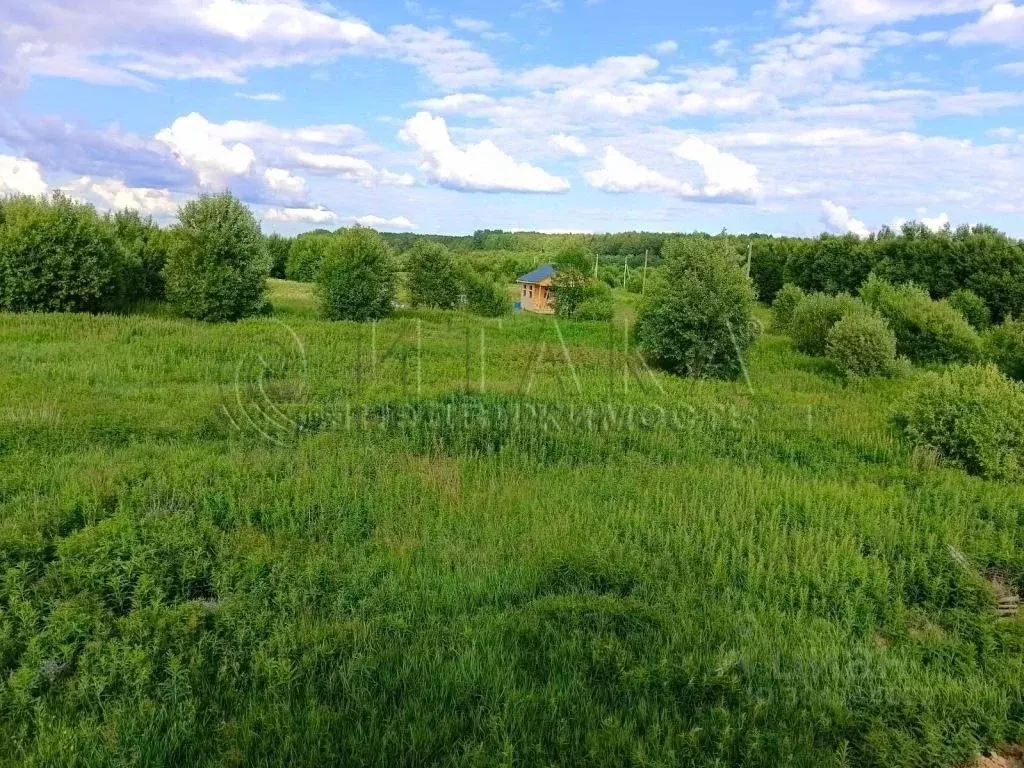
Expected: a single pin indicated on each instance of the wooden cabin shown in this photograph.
(536, 290)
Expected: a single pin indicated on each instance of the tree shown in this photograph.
(306, 254)
(697, 319)
(433, 276)
(356, 279)
(484, 296)
(569, 288)
(144, 254)
(278, 249)
(217, 261)
(56, 255)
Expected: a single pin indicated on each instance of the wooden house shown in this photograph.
(536, 290)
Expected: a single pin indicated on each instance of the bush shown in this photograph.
(56, 255)
(784, 306)
(569, 288)
(306, 254)
(972, 416)
(217, 262)
(926, 331)
(143, 253)
(815, 316)
(972, 307)
(433, 276)
(278, 251)
(1005, 346)
(697, 319)
(596, 308)
(357, 277)
(862, 345)
(484, 296)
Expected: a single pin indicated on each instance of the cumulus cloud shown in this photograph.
(351, 169)
(20, 176)
(197, 145)
(665, 47)
(868, 13)
(725, 175)
(569, 144)
(398, 223)
(283, 180)
(481, 167)
(115, 195)
(319, 215)
(1003, 23)
(619, 173)
(838, 219)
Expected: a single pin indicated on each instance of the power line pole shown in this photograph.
(643, 286)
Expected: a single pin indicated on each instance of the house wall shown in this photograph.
(536, 297)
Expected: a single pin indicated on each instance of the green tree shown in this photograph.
(56, 255)
(433, 276)
(356, 279)
(569, 288)
(217, 262)
(306, 254)
(144, 253)
(697, 319)
(278, 250)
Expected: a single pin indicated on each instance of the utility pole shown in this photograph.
(596, 257)
(625, 270)
(750, 257)
(643, 286)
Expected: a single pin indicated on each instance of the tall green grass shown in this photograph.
(772, 580)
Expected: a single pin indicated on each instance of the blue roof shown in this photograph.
(540, 273)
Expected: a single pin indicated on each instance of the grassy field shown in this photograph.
(445, 540)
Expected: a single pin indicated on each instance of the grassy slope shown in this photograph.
(769, 582)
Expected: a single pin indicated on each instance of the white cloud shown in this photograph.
(456, 102)
(1014, 68)
(282, 180)
(619, 173)
(198, 145)
(570, 144)
(398, 223)
(725, 175)
(866, 13)
(351, 169)
(936, 223)
(1003, 23)
(838, 219)
(115, 195)
(20, 176)
(319, 215)
(665, 47)
(260, 96)
(448, 61)
(481, 167)
(472, 25)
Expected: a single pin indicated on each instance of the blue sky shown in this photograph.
(785, 116)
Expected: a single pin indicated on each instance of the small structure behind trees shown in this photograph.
(536, 295)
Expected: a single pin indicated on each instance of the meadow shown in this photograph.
(292, 541)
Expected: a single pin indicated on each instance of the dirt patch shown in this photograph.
(1011, 757)
(1008, 601)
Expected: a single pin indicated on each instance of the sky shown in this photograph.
(448, 116)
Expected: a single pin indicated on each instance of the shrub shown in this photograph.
(569, 288)
(356, 279)
(433, 276)
(697, 319)
(56, 255)
(143, 253)
(484, 296)
(784, 306)
(1005, 346)
(972, 416)
(972, 307)
(306, 254)
(595, 308)
(862, 344)
(815, 316)
(217, 261)
(278, 250)
(926, 331)
(574, 253)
